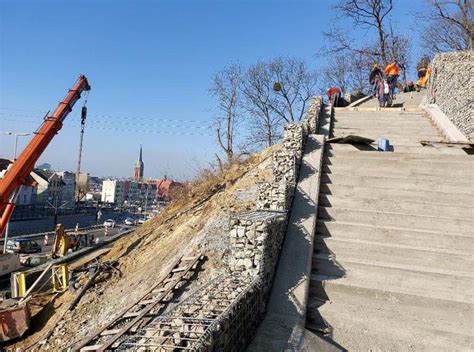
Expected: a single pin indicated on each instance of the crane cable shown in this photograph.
(83, 127)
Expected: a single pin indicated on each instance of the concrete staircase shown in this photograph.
(393, 255)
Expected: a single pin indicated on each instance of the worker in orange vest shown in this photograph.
(392, 72)
(334, 96)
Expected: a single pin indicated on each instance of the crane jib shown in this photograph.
(20, 168)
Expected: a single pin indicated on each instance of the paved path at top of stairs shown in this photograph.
(393, 255)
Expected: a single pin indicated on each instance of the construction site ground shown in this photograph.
(195, 222)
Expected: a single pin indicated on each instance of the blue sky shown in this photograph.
(149, 64)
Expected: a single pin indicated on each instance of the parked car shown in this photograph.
(141, 220)
(109, 223)
(23, 246)
(130, 221)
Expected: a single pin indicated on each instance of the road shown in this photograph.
(97, 232)
(47, 247)
(25, 227)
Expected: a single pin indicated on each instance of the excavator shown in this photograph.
(15, 318)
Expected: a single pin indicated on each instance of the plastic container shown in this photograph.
(384, 145)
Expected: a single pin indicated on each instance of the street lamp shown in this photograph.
(16, 139)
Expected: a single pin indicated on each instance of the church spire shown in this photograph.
(139, 167)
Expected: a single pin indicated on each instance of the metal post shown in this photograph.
(13, 200)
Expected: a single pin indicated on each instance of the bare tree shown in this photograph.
(257, 88)
(383, 44)
(337, 73)
(276, 92)
(347, 71)
(225, 89)
(400, 50)
(369, 14)
(294, 83)
(450, 26)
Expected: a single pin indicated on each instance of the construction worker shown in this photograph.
(424, 73)
(376, 77)
(334, 95)
(392, 72)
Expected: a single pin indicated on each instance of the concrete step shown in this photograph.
(463, 200)
(392, 136)
(441, 150)
(382, 114)
(396, 256)
(391, 169)
(395, 138)
(408, 122)
(381, 130)
(414, 322)
(396, 236)
(396, 141)
(398, 155)
(390, 279)
(368, 126)
(465, 165)
(408, 183)
(393, 219)
(400, 206)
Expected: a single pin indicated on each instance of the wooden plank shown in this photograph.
(35, 283)
(177, 270)
(112, 341)
(109, 332)
(91, 348)
(87, 340)
(130, 315)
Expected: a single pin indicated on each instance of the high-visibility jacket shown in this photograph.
(331, 91)
(392, 69)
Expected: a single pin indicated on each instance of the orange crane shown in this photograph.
(18, 172)
(15, 318)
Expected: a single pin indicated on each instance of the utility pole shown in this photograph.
(16, 140)
(146, 196)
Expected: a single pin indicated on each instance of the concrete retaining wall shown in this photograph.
(451, 88)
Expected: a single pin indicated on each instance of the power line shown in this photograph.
(107, 128)
(102, 116)
(115, 122)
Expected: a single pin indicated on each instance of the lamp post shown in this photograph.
(16, 139)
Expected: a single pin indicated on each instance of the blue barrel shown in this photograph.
(384, 145)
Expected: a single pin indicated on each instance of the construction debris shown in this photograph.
(351, 139)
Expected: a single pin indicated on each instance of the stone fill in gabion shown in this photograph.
(452, 88)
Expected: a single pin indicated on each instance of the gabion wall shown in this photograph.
(224, 315)
(452, 86)
(256, 237)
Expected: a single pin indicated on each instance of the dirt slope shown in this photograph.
(197, 220)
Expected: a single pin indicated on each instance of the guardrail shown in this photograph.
(42, 234)
(32, 274)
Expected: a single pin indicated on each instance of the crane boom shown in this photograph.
(18, 172)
